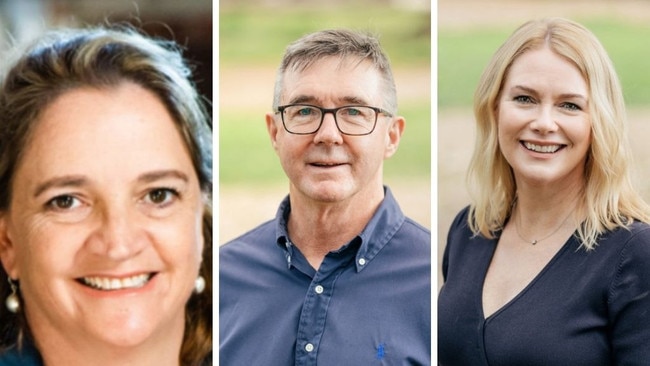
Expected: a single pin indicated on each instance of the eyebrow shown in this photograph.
(60, 182)
(163, 174)
(75, 181)
(562, 96)
(312, 99)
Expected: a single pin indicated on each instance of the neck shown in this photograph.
(537, 203)
(538, 215)
(318, 228)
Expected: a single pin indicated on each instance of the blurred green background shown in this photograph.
(464, 52)
(254, 37)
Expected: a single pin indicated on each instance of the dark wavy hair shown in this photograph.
(63, 60)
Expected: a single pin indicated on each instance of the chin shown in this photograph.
(124, 335)
(328, 192)
(135, 326)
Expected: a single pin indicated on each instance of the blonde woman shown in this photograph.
(549, 263)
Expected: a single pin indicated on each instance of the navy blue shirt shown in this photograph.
(584, 308)
(368, 303)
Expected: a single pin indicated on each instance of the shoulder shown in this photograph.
(459, 231)
(460, 221)
(255, 237)
(255, 249)
(463, 247)
(633, 244)
(631, 272)
(630, 242)
(415, 231)
(627, 293)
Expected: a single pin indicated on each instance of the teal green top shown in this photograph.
(26, 356)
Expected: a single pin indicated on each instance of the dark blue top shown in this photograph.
(584, 308)
(368, 303)
(26, 356)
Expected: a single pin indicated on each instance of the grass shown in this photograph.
(462, 55)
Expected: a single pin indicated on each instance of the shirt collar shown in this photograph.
(383, 225)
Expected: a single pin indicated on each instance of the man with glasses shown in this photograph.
(341, 276)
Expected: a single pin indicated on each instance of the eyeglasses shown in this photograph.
(353, 120)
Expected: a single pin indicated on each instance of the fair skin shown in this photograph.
(104, 229)
(544, 134)
(335, 179)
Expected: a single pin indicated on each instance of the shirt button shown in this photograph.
(309, 347)
(362, 261)
(319, 289)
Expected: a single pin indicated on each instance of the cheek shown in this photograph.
(579, 132)
(183, 236)
(290, 152)
(43, 250)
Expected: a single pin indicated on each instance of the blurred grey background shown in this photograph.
(188, 22)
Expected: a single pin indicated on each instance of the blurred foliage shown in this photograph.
(258, 35)
(462, 55)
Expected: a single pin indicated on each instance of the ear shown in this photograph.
(7, 249)
(272, 129)
(394, 135)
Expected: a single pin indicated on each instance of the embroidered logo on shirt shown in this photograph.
(380, 351)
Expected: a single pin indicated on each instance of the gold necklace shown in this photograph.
(535, 241)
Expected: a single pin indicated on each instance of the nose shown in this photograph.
(544, 121)
(118, 235)
(328, 133)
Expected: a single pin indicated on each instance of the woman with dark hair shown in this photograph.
(105, 204)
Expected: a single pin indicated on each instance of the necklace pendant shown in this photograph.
(534, 242)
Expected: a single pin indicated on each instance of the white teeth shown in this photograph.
(542, 148)
(108, 284)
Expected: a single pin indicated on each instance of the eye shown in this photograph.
(353, 111)
(161, 196)
(523, 99)
(305, 111)
(571, 106)
(63, 202)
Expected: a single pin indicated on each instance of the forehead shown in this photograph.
(332, 80)
(124, 128)
(544, 68)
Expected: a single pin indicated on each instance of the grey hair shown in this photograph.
(345, 44)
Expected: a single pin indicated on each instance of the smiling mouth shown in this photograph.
(544, 149)
(114, 284)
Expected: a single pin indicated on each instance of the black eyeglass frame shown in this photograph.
(333, 111)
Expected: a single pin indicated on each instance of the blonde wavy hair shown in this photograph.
(609, 197)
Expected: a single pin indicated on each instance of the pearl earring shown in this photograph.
(199, 285)
(12, 302)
